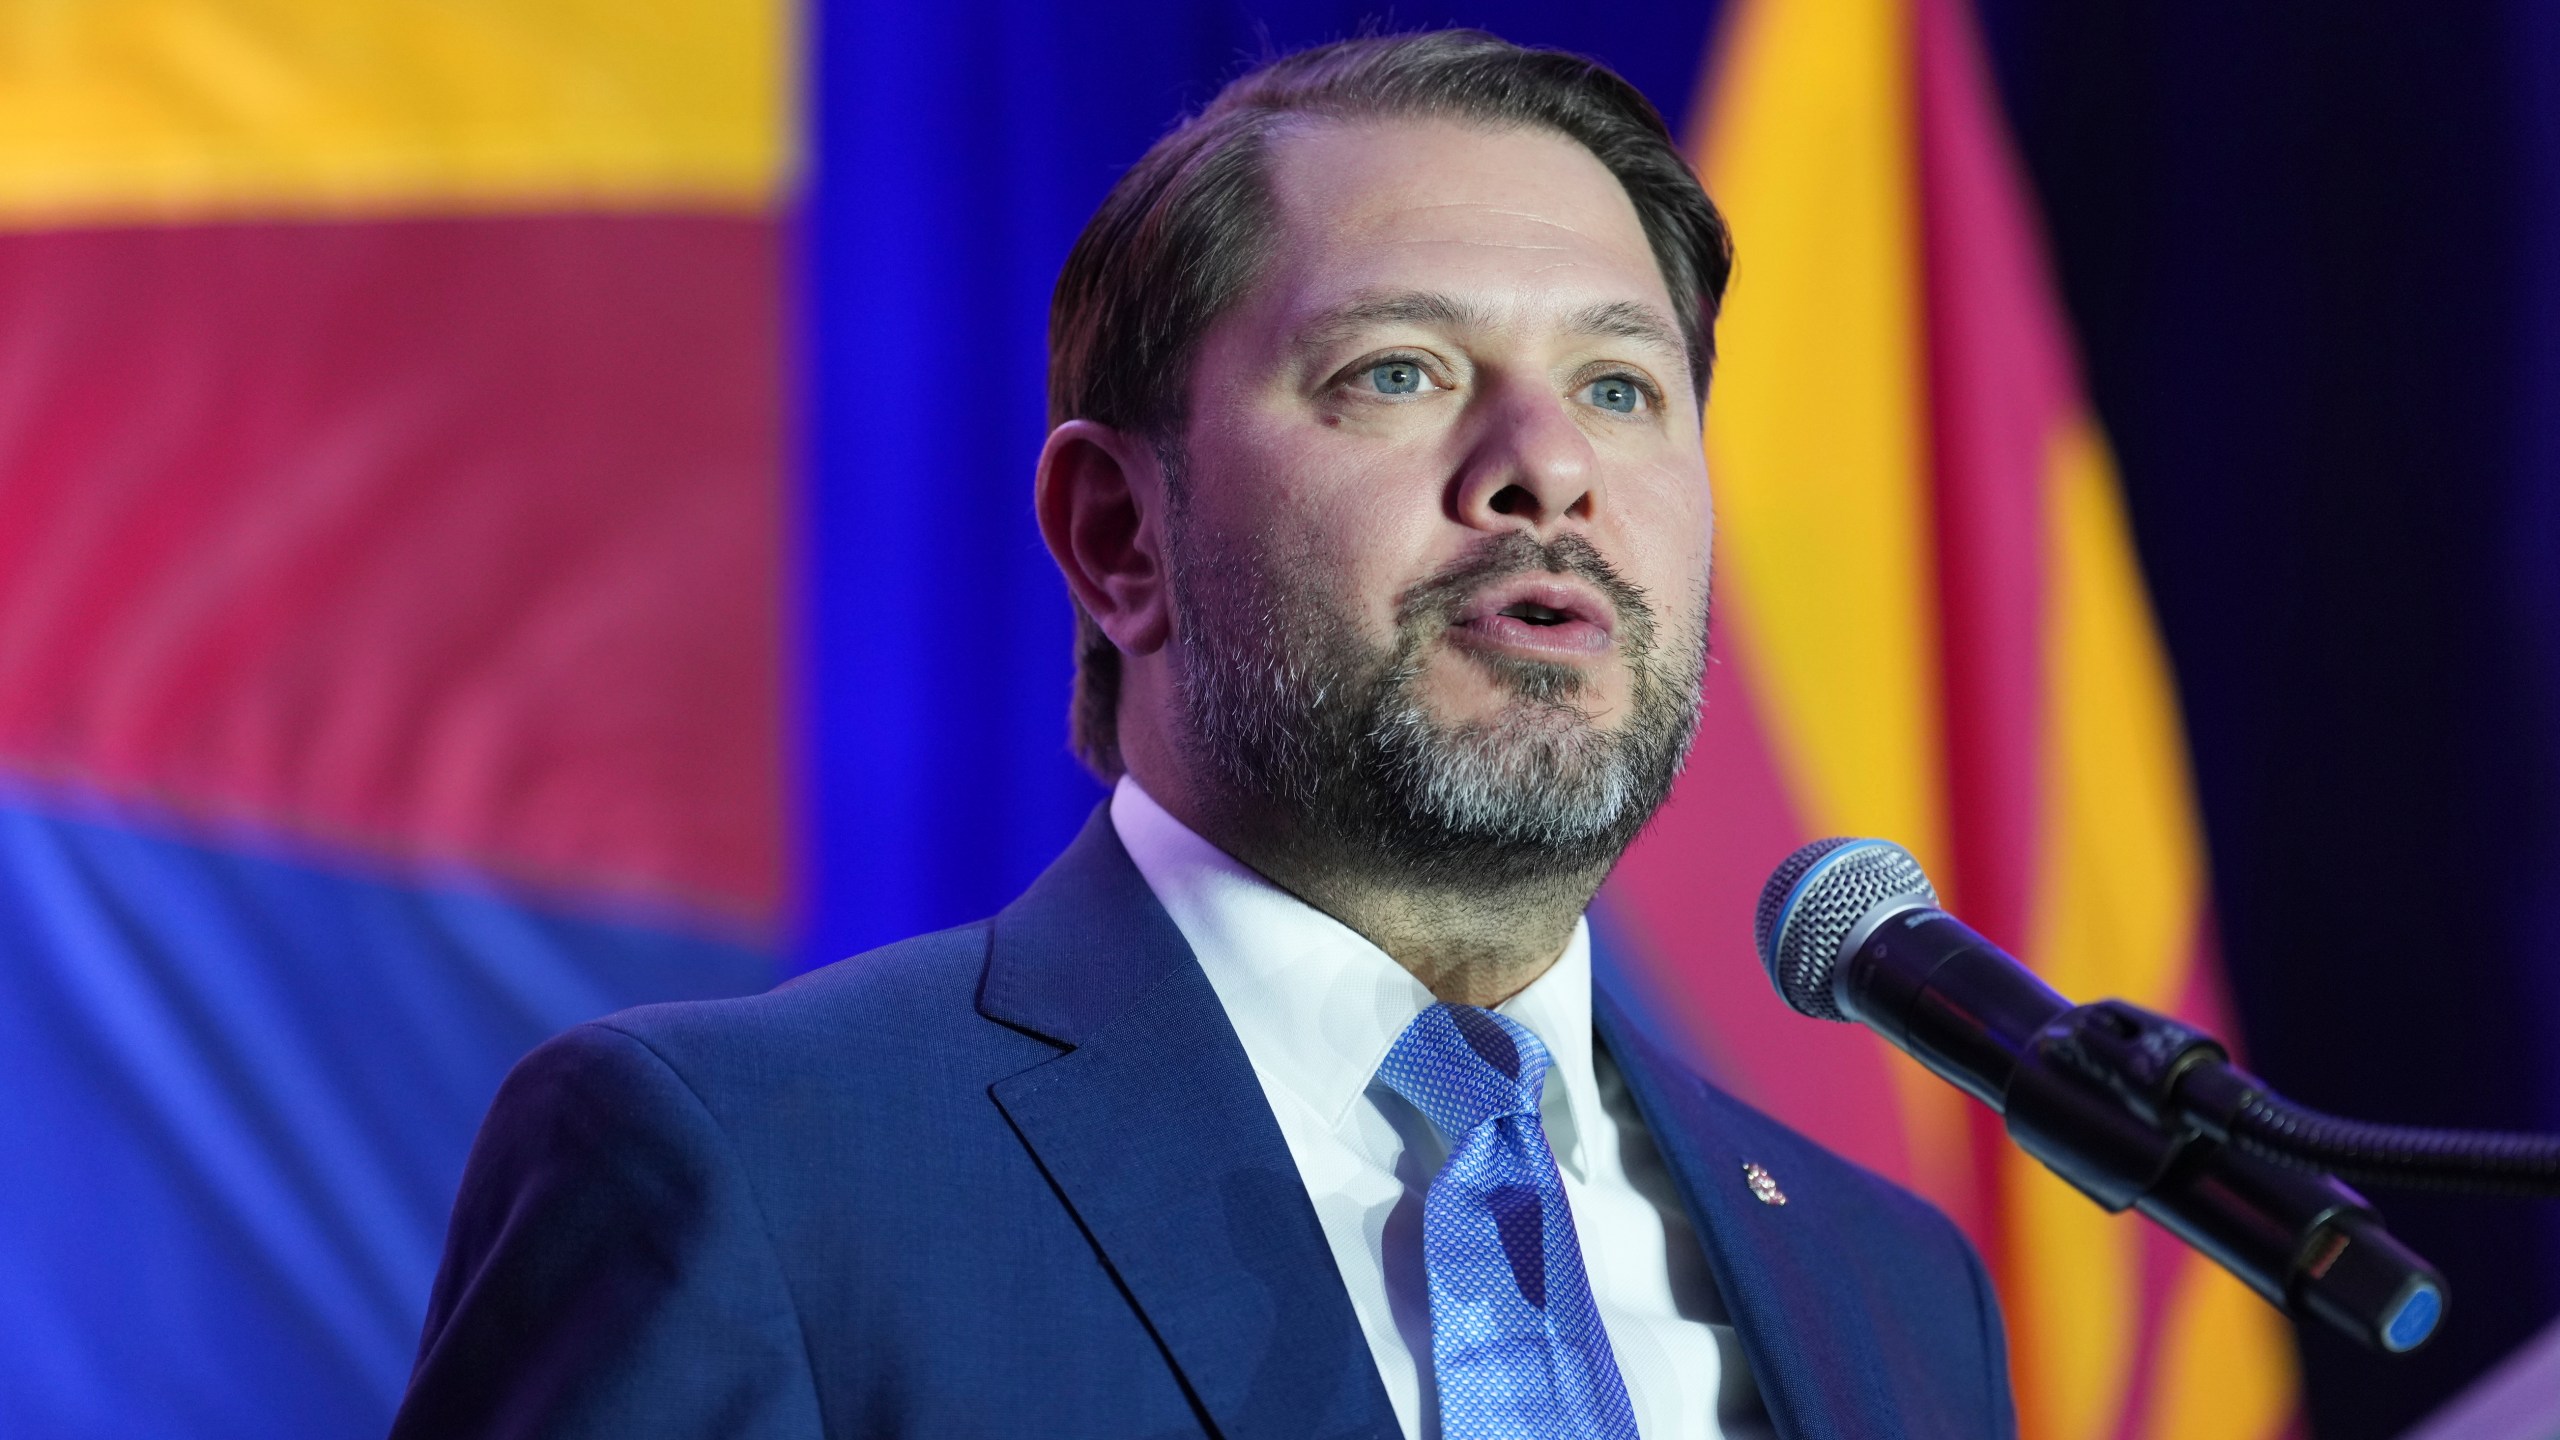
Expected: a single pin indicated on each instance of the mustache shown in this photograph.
(1437, 600)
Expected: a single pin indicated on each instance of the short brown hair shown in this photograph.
(1183, 234)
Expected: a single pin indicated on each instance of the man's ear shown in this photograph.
(1100, 499)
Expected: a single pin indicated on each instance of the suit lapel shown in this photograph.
(1156, 1133)
(1809, 1339)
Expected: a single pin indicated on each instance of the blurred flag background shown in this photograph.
(391, 493)
(512, 510)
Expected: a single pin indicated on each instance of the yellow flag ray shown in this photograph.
(2117, 911)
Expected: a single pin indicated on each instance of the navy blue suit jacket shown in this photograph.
(1018, 1179)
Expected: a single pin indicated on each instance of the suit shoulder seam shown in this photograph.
(764, 1222)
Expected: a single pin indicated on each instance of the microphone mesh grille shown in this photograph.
(1773, 896)
(1800, 943)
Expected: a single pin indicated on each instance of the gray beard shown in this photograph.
(1289, 710)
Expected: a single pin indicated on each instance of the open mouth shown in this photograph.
(1549, 617)
(1536, 614)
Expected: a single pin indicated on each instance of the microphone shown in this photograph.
(1851, 930)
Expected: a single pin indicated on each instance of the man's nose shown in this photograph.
(1530, 467)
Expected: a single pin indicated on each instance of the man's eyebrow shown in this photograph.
(1401, 307)
(1622, 319)
(1628, 320)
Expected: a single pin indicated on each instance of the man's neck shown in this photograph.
(1469, 944)
(1467, 947)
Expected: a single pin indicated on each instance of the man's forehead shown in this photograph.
(1428, 220)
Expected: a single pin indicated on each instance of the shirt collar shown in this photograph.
(1315, 1003)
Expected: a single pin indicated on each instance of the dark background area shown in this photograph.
(2313, 255)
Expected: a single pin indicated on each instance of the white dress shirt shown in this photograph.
(1317, 1006)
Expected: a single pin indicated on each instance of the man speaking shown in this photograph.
(1283, 1103)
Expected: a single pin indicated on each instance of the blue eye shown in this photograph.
(1615, 393)
(1395, 377)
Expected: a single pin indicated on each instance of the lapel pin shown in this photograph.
(1764, 1186)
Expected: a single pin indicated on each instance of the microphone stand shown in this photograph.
(2138, 1109)
(2097, 1096)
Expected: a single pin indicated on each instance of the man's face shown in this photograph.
(1443, 520)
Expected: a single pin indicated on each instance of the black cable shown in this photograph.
(2224, 1103)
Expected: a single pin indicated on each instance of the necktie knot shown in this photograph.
(1462, 1066)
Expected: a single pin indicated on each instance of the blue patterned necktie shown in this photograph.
(1516, 1343)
